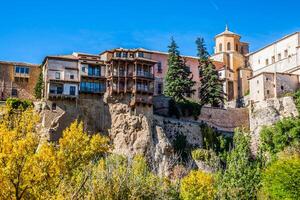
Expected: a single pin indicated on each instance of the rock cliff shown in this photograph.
(267, 113)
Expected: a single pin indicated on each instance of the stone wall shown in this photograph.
(267, 113)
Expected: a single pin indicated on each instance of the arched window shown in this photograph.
(237, 47)
(220, 47)
(228, 46)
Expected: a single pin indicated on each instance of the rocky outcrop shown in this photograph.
(267, 113)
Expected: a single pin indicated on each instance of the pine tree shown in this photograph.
(211, 88)
(179, 81)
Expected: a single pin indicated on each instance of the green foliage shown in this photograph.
(179, 81)
(14, 103)
(185, 108)
(197, 185)
(211, 88)
(216, 141)
(209, 157)
(281, 180)
(283, 133)
(119, 178)
(38, 89)
(182, 147)
(240, 180)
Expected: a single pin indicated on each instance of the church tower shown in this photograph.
(232, 52)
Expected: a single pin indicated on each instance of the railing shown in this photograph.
(90, 90)
(140, 99)
(23, 75)
(144, 74)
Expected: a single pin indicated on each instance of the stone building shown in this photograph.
(275, 68)
(18, 79)
(267, 85)
(232, 52)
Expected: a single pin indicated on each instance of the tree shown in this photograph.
(179, 81)
(240, 180)
(38, 89)
(211, 88)
(281, 180)
(197, 185)
(35, 169)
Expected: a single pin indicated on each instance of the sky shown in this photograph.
(33, 29)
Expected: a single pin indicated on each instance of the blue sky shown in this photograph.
(32, 29)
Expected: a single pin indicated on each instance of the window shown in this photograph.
(21, 70)
(220, 47)
(282, 88)
(159, 68)
(53, 106)
(72, 90)
(71, 76)
(286, 53)
(257, 81)
(268, 92)
(258, 61)
(17, 69)
(273, 59)
(228, 46)
(83, 69)
(131, 55)
(57, 75)
(125, 54)
(14, 92)
(279, 56)
(159, 88)
(141, 54)
(267, 79)
(237, 47)
(188, 69)
(267, 61)
(118, 54)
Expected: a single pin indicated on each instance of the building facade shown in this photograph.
(130, 71)
(18, 79)
(275, 68)
(232, 52)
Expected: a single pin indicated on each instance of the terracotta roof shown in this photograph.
(218, 65)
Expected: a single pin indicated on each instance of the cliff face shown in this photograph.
(267, 113)
(149, 135)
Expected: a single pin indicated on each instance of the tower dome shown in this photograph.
(228, 33)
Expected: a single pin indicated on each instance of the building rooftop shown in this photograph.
(19, 63)
(227, 32)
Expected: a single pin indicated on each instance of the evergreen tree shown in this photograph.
(38, 89)
(179, 83)
(211, 88)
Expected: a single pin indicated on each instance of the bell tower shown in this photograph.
(232, 52)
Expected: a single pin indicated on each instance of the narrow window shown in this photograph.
(228, 46)
(273, 59)
(279, 56)
(17, 69)
(71, 76)
(237, 47)
(282, 88)
(57, 75)
(53, 106)
(159, 68)
(286, 53)
(268, 92)
(220, 47)
(267, 61)
(159, 88)
(257, 81)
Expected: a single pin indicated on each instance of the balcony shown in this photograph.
(143, 89)
(143, 74)
(21, 75)
(92, 90)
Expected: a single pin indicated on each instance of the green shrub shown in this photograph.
(281, 180)
(185, 108)
(283, 133)
(209, 157)
(14, 103)
(296, 97)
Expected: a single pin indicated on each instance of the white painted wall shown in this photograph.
(257, 60)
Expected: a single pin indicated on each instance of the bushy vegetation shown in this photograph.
(281, 180)
(15, 103)
(184, 108)
(198, 185)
